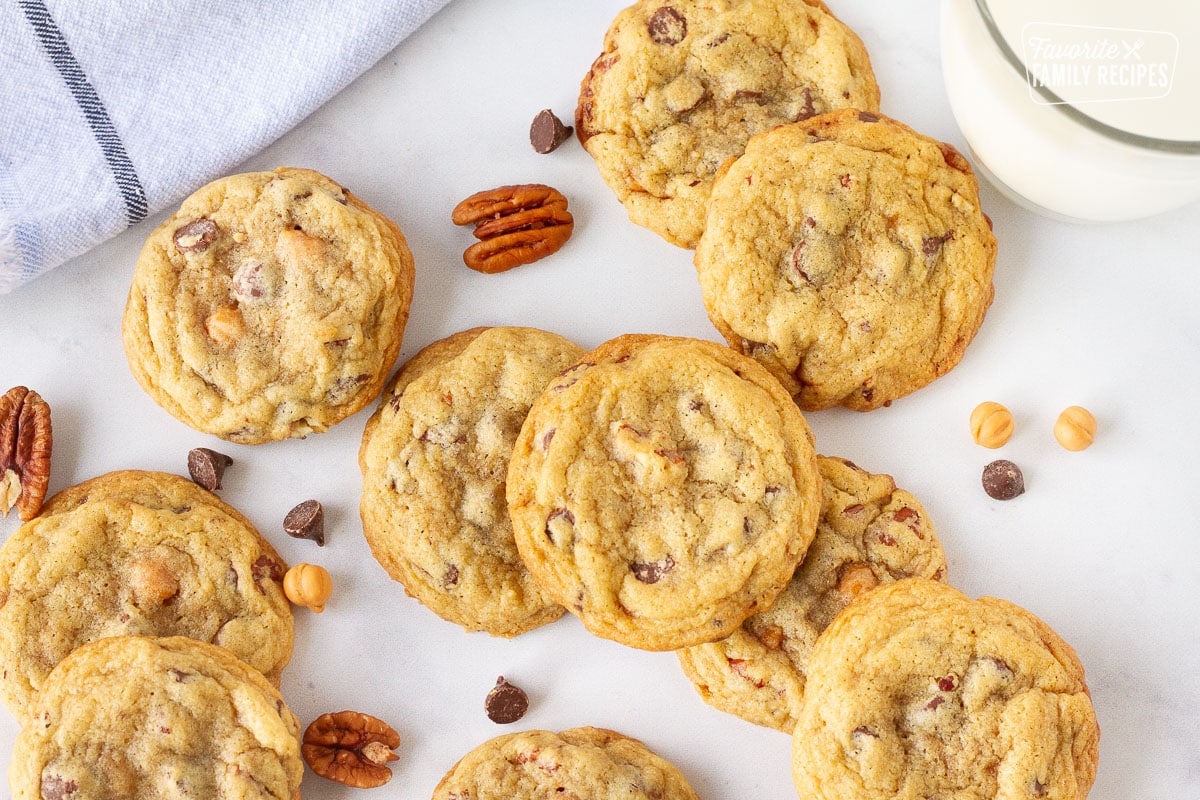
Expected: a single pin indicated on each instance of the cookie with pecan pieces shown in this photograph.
(270, 305)
(434, 459)
(870, 533)
(663, 489)
(849, 255)
(135, 716)
(594, 763)
(915, 690)
(143, 553)
(682, 84)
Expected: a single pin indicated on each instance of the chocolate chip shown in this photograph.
(55, 787)
(1002, 480)
(266, 567)
(247, 282)
(306, 521)
(867, 116)
(558, 513)
(948, 683)
(207, 467)
(809, 109)
(930, 245)
(196, 236)
(505, 703)
(451, 576)
(652, 571)
(547, 437)
(667, 26)
(547, 132)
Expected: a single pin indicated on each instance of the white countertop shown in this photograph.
(1104, 545)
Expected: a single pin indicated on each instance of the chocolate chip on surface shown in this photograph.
(667, 26)
(58, 788)
(1002, 480)
(547, 132)
(306, 521)
(652, 571)
(505, 703)
(196, 236)
(207, 467)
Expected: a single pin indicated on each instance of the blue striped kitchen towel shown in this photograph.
(114, 109)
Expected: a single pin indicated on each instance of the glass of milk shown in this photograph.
(1085, 110)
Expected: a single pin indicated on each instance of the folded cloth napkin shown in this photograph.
(110, 111)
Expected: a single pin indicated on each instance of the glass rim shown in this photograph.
(1180, 146)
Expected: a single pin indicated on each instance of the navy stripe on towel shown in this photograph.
(56, 48)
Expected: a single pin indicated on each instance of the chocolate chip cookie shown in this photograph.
(916, 690)
(870, 533)
(682, 84)
(850, 256)
(133, 716)
(270, 305)
(142, 553)
(594, 763)
(663, 489)
(434, 459)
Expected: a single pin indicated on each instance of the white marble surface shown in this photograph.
(1104, 545)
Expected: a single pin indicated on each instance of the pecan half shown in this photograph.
(25, 443)
(351, 748)
(514, 224)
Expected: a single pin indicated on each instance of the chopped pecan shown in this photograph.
(514, 224)
(26, 439)
(351, 748)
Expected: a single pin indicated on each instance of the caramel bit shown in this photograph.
(225, 326)
(351, 748)
(1075, 428)
(854, 579)
(297, 248)
(308, 585)
(991, 424)
(153, 582)
(772, 638)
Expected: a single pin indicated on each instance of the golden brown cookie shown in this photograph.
(850, 256)
(591, 763)
(138, 717)
(143, 553)
(663, 489)
(682, 84)
(870, 533)
(916, 690)
(434, 459)
(270, 305)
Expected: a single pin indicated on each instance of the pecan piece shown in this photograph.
(514, 224)
(26, 439)
(351, 748)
